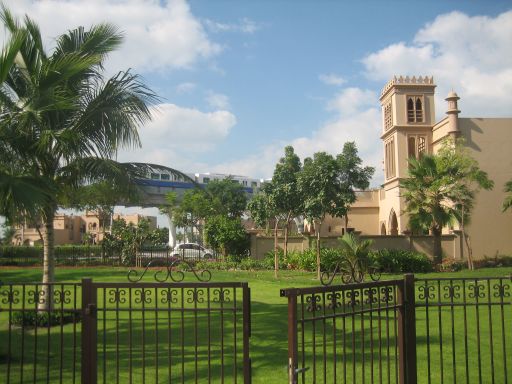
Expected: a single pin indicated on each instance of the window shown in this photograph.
(165, 176)
(254, 184)
(206, 180)
(411, 147)
(155, 176)
(416, 146)
(388, 116)
(390, 159)
(414, 109)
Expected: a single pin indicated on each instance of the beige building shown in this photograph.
(409, 129)
(70, 229)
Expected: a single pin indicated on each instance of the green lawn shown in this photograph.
(269, 335)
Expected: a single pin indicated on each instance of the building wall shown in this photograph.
(489, 141)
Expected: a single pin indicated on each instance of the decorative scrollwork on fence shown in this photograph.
(350, 273)
(37, 296)
(334, 300)
(170, 296)
(426, 292)
(313, 303)
(117, 296)
(221, 295)
(162, 275)
(451, 292)
(353, 298)
(502, 290)
(476, 291)
(195, 296)
(371, 296)
(10, 297)
(386, 294)
(144, 296)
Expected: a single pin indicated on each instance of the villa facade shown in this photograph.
(409, 128)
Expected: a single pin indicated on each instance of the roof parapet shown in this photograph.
(401, 80)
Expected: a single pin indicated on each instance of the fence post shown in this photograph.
(407, 331)
(89, 333)
(292, 336)
(247, 333)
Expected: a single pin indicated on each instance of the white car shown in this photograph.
(192, 251)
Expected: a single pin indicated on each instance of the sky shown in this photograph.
(240, 80)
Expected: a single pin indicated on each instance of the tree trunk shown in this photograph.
(319, 226)
(48, 260)
(286, 229)
(276, 254)
(467, 240)
(346, 223)
(438, 253)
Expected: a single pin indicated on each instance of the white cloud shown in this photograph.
(178, 134)
(184, 88)
(331, 79)
(158, 35)
(356, 118)
(217, 100)
(470, 54)
(244, 25)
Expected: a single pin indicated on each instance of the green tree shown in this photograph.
(286, 196)
(218, 198)
(441, 189)
(352, 174)
(323, 193)
(227, 235)
(263, 210)
(62, 121)
(126, 240)
(508, 199)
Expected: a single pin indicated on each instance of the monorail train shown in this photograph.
(163, 182)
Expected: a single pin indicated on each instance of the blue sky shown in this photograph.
(239, 80)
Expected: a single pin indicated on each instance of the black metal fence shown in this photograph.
(346, 333)
(97, 255)
(124, 332)
(402, 331)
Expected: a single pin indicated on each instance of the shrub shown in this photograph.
(43, 319)
(496, 261)
(401, 261)
(450, 265)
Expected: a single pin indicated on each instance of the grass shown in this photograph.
(268, 341)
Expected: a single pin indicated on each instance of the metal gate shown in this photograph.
(176, 332)
(432, 330)
(350, 333)
(125, 332)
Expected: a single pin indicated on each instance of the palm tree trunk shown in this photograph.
(48, 259)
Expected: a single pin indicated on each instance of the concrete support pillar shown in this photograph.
(172, 233)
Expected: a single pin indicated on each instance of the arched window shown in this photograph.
(411, 147)
(410, 110)
(383, 229)
(414, 109)
(419, 110)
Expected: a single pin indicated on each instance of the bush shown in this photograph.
(43, 319)
(496, 261)
(401, 261)
(450, 265)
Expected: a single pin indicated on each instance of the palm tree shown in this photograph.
(62, 121)
(440, 190)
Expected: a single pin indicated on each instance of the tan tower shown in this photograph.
(408, 116)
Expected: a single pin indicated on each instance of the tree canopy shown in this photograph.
(441, 189)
